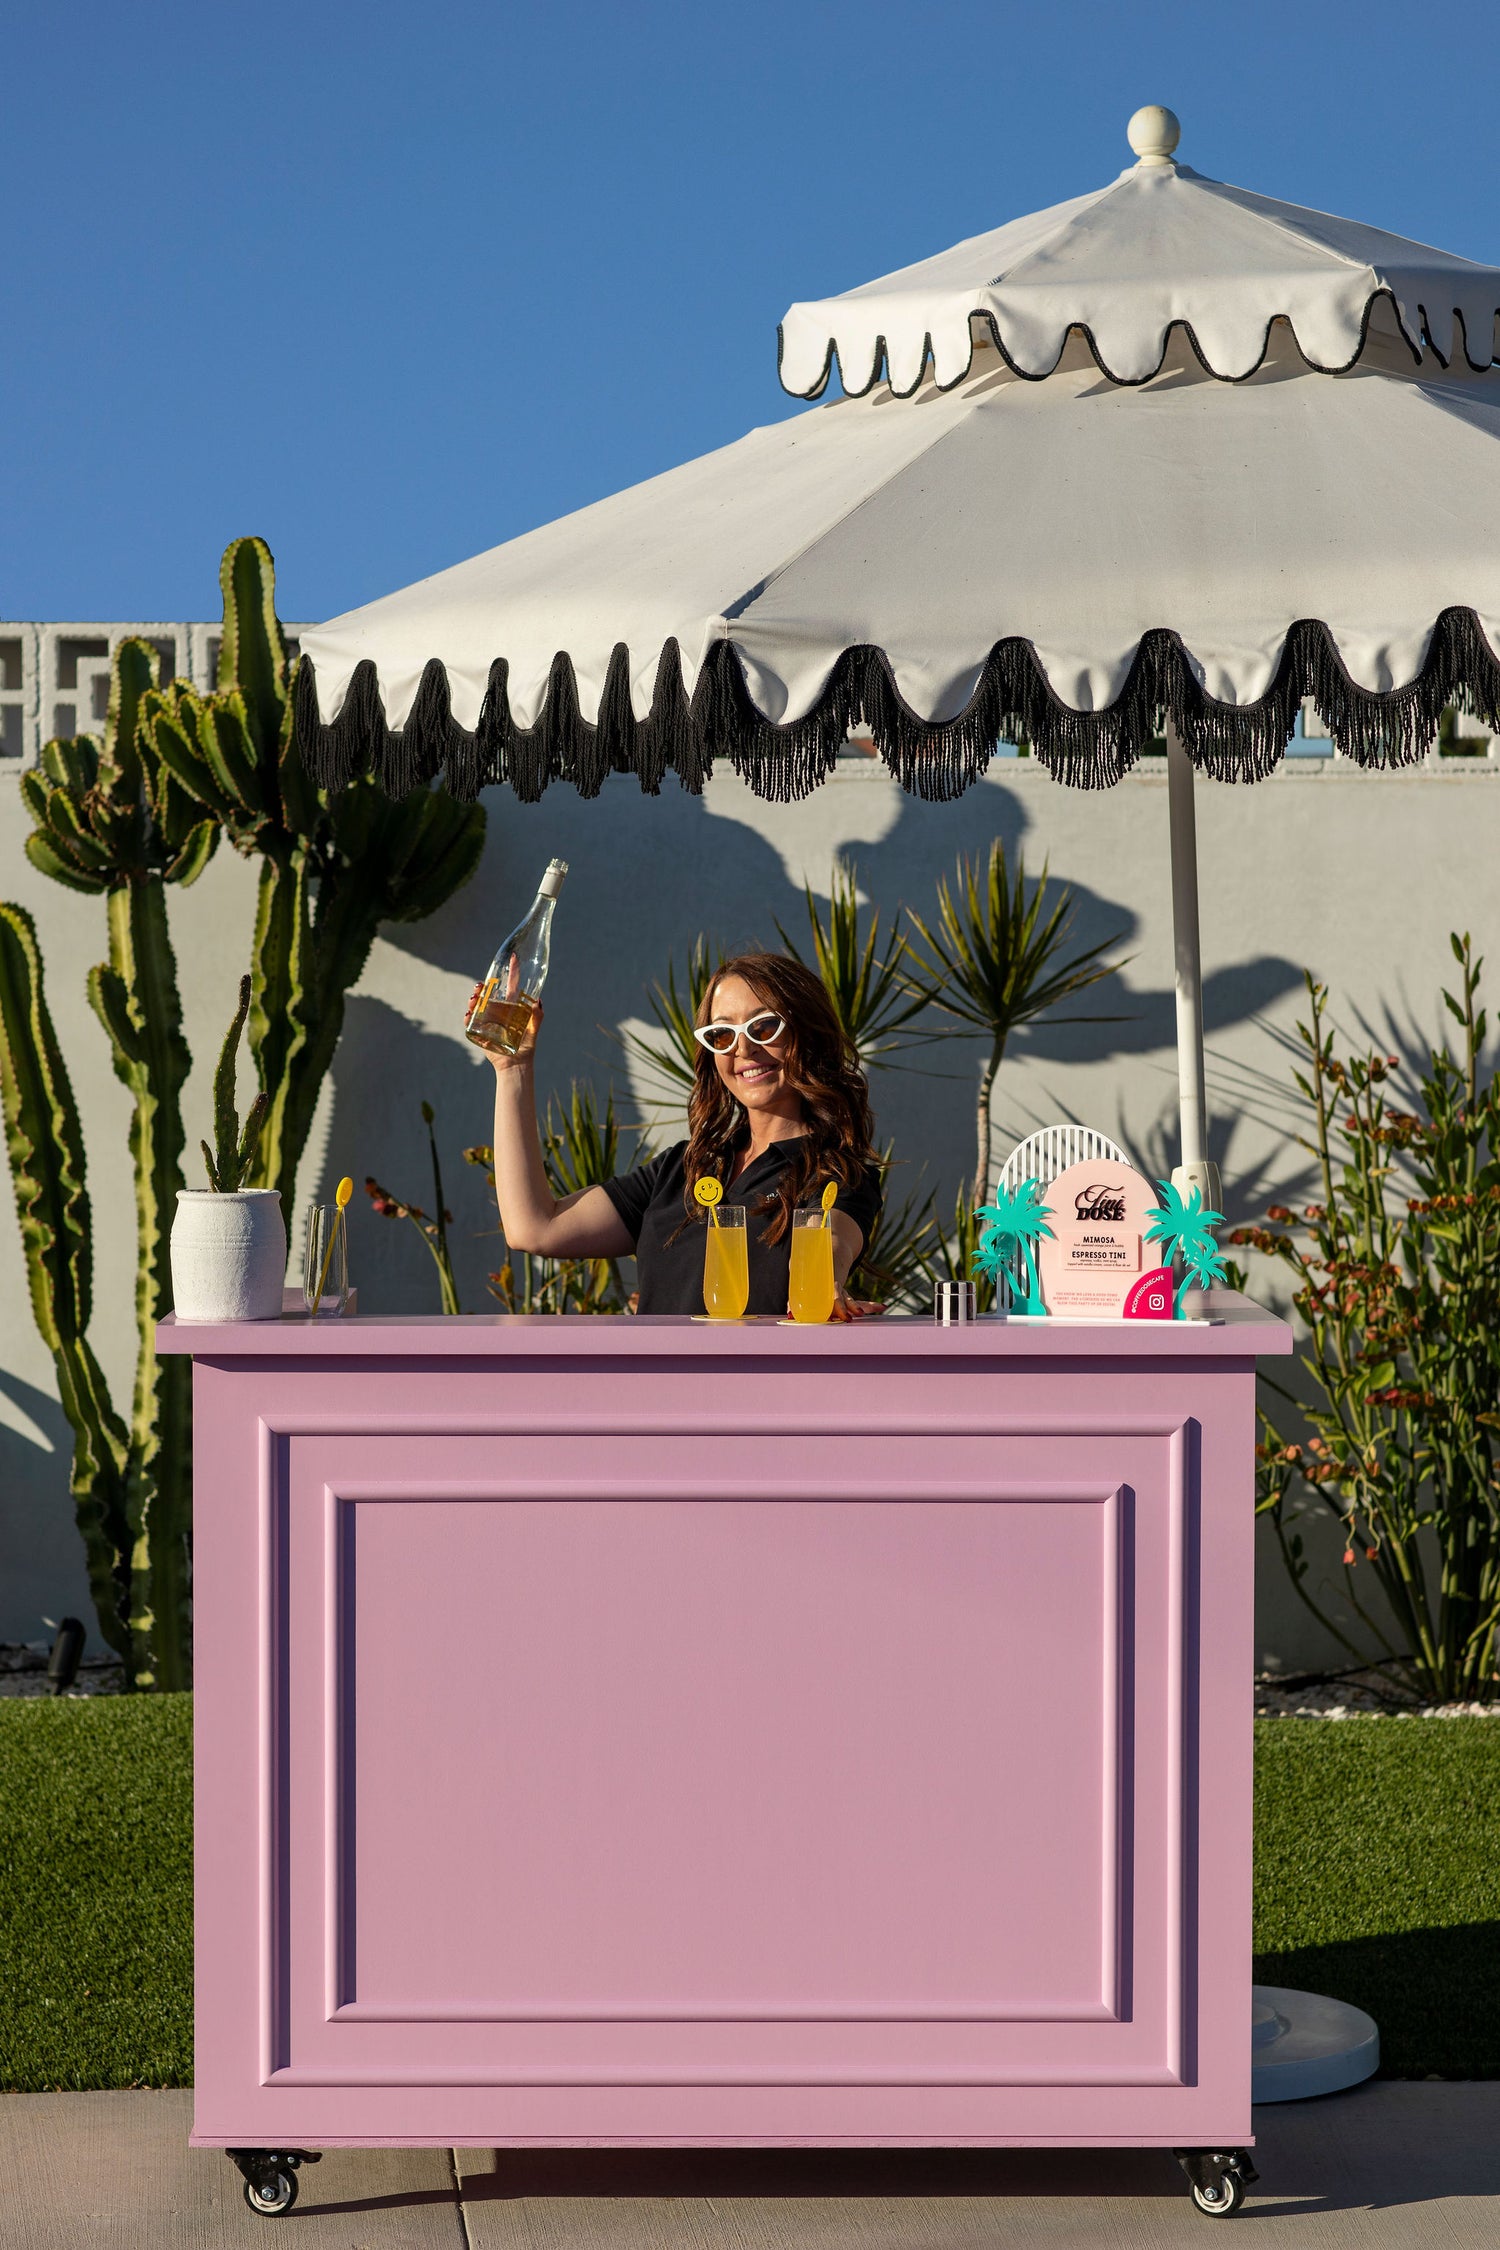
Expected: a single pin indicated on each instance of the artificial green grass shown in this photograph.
(1377, 1879)
(96, 1892)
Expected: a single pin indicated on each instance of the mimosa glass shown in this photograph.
(811, 1292)
(726, 1264)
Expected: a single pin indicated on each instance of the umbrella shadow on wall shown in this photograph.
(648, 875)
(1144, 1019)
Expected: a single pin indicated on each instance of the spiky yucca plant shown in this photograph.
(863, 970)
(999, 959)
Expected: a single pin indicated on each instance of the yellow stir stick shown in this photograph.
(710, 1195)
(341, 1195)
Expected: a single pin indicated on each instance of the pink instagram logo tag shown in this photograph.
(1151, 1298)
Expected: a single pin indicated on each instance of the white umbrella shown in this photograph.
(1170, 453)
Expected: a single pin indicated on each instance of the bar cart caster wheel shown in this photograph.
(1217, 2178)
(270, 2176)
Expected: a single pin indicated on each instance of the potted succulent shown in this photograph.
(229, 1240)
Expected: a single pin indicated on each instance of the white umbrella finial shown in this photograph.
(1153, 133)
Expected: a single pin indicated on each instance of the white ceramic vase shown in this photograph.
(228, 1255)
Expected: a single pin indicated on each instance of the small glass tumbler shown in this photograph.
(953, 1303)
(325, 1259)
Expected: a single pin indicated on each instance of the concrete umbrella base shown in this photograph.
(1304, 2044)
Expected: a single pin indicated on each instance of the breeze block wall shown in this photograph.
(1357, 876)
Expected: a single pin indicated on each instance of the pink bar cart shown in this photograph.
(630, 1731)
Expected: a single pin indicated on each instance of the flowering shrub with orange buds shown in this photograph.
(1396, 1272)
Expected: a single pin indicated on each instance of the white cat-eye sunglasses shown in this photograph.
(762, 1030)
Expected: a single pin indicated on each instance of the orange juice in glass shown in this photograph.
(811, 1292)
(726, 1264)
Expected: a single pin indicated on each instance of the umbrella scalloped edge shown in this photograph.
(871, 360)
(685, 735)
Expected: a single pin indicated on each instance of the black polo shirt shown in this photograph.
(670, 1272)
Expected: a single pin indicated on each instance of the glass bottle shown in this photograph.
(501, 1014)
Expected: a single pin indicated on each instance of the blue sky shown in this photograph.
(388, 284)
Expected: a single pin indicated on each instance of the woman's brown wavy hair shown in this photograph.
(819, 1063)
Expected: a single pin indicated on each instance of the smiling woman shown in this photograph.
(779, 1110)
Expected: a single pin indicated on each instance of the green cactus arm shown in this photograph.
(132, 677)
(411, 852)
(209, 1166)
(448, 848)
(394, 861)
(173, 729)
(70, 761)
(175, 810)
(198, 849)
(229, 749)
(49, 861)
(304, 807)
(252, 650)
(285, 1016)
(44, 1141)
(110, 1000)
(136, 999)
(327, 950)
(34, 795)
(70, 829)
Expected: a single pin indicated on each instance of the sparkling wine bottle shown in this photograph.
(501, 1015)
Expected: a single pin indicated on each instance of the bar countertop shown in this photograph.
(1236, 1328)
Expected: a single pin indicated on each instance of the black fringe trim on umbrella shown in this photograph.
(684, 734)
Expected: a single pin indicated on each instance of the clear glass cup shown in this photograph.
(726, 1264)
(325, 1259)
(811, 1292)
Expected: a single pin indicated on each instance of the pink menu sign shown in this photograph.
(1099, 1265)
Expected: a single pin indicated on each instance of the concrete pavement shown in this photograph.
(1391, 2163)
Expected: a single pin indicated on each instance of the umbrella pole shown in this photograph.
(1195, 1169)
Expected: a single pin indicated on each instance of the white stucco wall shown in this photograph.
(1359, 876)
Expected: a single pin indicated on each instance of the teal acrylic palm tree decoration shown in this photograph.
(1010, 1228)
(1185, 1230)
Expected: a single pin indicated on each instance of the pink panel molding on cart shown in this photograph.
(661, 1747)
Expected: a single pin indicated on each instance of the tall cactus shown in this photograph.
(332, 870)
(135, 997)
(123, 818)
(45, 1143)
(111, 822)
